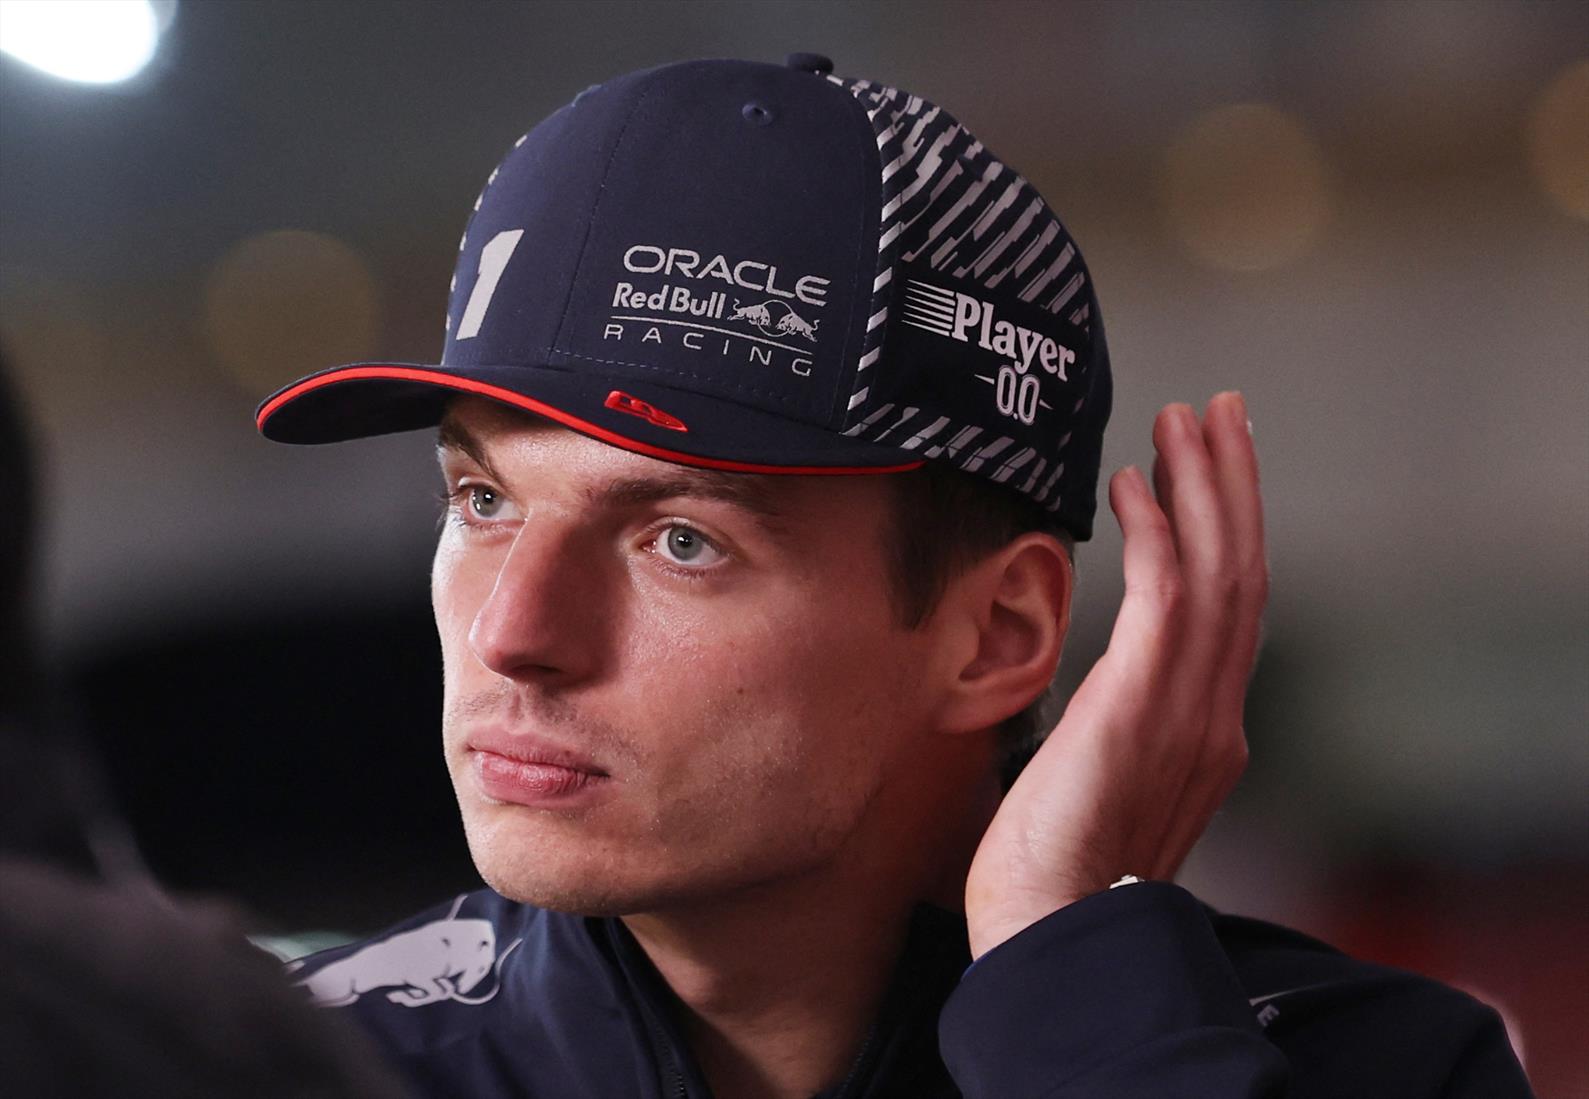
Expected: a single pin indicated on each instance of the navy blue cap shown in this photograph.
(765, 269)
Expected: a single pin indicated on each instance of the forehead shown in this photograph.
(512, 444)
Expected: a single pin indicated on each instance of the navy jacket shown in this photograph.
(1137, 992)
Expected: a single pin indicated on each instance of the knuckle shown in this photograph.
(1156, 529)
(1227, 587)
(1226, 743)
(1253, 576)
(1165, 592)
(1238, 756)
(1261, 585)
(1233, 754)
(1170, 593)
(1216, 574)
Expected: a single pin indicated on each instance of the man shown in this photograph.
(770, 407)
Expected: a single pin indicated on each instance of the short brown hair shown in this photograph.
(944, 522)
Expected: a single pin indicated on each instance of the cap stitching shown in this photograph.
(595, 207)
(862, 300)
(673, 373)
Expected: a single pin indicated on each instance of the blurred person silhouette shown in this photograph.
(111, 987)
(770, 406)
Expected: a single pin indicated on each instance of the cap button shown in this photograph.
(809, 62)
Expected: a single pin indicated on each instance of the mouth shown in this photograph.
(525, 771)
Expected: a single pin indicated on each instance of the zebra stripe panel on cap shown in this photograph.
(933, 169)
(926, 433)
(955, 445)
(870, 420)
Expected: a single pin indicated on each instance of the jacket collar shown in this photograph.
(899, 1054)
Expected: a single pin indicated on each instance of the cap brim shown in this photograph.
(363, 399)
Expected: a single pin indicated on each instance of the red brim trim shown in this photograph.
(530, 404)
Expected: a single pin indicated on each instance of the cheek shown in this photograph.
(443, 577)
(459, 585)
(775, 702)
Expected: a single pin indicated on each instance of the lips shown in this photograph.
(531, 772)
(534, 751)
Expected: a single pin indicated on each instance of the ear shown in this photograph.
(1011, 613)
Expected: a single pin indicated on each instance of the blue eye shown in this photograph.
(682, 545)
(484, 502)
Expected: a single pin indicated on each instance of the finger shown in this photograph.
(1195, 507)
(1144, 632)
(1163, 486)
(1227, 432)
(1223, 756)
(1230, 442)
(1202, 541)
(1143, 647)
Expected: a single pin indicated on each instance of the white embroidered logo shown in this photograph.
(971, 320)
(442, 960)
(689, 313)
(652, 259)
(789, 322)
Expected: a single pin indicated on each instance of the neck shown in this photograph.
(780, 981)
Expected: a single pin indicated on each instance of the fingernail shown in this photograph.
(1238, 408)
(1241, 411)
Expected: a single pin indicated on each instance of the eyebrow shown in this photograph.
(753, 493)
(748, 492)
(452, 435)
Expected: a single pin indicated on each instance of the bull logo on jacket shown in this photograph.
(444, 960)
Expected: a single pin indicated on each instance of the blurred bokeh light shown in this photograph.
(287, 303)
(51, 321)
(86, 41)
(1558, 141)
(1245, 188)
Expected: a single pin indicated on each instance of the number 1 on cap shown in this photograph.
(493, 259)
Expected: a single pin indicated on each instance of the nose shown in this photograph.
(543, 616)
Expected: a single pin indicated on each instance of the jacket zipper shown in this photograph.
(673, 1082)
(904, 1006)
(860, 1069)
(673, 1075)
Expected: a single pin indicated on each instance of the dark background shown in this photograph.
(1371, 218)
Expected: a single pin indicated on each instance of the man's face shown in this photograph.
(662, 683)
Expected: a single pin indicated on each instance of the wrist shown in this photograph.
(990, 929)
(990, 925)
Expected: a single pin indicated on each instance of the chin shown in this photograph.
(582, 892)
(555, 864)
(576, 899)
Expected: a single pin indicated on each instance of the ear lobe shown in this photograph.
(1018, 604)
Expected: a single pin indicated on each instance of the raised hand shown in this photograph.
(1152, 742)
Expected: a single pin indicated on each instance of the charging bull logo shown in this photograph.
(755, 314)
(789, 322)
(444, 960)
(795, 323)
